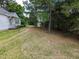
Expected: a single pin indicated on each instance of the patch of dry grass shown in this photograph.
(36, 44)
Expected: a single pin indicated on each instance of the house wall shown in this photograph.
(17, 21)
(14, 22)
(4, 22)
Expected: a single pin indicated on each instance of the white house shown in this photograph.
(8, 20)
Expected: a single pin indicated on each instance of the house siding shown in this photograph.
(4, 22)
(8, 20)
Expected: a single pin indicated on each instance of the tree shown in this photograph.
(3, 3)
(14, 7)
(65, 13)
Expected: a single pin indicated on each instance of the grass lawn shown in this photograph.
(10, 47)
(7, 34)
(32, 43)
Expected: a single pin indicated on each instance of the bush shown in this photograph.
(32, 20)
(24, 21)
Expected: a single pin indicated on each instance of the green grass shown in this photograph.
(10, 49)
(8, 33)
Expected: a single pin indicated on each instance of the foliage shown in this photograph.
(63, 14)
(66, 15)
(42, 16)
(32, 19)
(14, 7)
(24, 21)
(2, 2)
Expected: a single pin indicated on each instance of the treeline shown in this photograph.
(62, 15)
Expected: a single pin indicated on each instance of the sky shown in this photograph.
(20, 2)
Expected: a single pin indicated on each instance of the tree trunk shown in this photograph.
(49, 27)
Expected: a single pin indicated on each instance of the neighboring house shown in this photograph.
(8, 20)
(39, 21)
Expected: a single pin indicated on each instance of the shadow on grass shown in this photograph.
(73, 36)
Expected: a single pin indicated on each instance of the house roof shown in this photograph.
(13, 14)
(5, 12)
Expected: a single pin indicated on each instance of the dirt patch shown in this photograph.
(42, 45)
